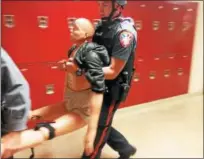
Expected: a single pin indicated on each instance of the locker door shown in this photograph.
(54, 84)
(35, 77)
(38, 31)
(138, 91)
(183, 48)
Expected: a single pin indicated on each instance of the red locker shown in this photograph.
(35, 75)
(138, 93)
(41, 33)
(54, 84)
(36, 33)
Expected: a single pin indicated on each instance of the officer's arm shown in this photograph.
(16, 102)
(121, 52)
(116, 66)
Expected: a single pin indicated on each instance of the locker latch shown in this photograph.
(186, 26)
(42, 22)
(155, 25)
(189, 9)
(160, 7)
(166, 73)
(152, 75)
(180, 71)
(138, 24)
(171, 26)
(185, 56)
(9, 21)
(157, 57)
(136, 77)
(143, 5)
(23, 69)
(171, 56)
(50, 89)
(175, 8)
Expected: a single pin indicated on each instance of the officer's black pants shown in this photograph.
(106, 133)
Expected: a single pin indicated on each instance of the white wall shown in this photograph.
(196, 77)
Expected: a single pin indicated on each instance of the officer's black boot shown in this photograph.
(128, 153)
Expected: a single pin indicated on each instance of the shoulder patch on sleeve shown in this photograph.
(125, 38)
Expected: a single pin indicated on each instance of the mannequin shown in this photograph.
(82, 100)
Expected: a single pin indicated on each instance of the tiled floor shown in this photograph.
(162, 129)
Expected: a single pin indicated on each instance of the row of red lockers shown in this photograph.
(165, 40)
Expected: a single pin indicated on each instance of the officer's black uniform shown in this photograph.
(119, 37)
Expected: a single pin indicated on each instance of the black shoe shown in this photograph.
(128, 154)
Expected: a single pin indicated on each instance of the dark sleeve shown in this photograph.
(94, 72)
(15, 97)
(123, 45)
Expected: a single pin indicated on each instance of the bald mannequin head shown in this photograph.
(82, 30)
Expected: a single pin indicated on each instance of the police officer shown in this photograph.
(15, 101)
(119, 36)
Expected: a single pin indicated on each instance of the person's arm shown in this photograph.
(121, 51)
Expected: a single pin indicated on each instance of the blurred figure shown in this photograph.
(15, 101)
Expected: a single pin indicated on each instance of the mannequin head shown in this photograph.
(82, 30)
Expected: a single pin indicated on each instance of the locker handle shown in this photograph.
(180, 71)
(175, 8)
(54, 67)
(9, 21)
(166, 73)
(186, 26)
(42, 22)
(155, 25)
(189, 9)
(140, 59)
(160, 7)
(185, 56)
(136, 77)
(138, 24)
(152, 75)
(171, 26)
(156, 58)
(143, 5)
(50, 89)
(24, 69)
(171, 57)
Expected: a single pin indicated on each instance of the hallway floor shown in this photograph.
(169, 128)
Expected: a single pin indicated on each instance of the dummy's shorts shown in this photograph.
(78, 102)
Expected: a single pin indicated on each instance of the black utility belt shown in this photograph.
(119, 91)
